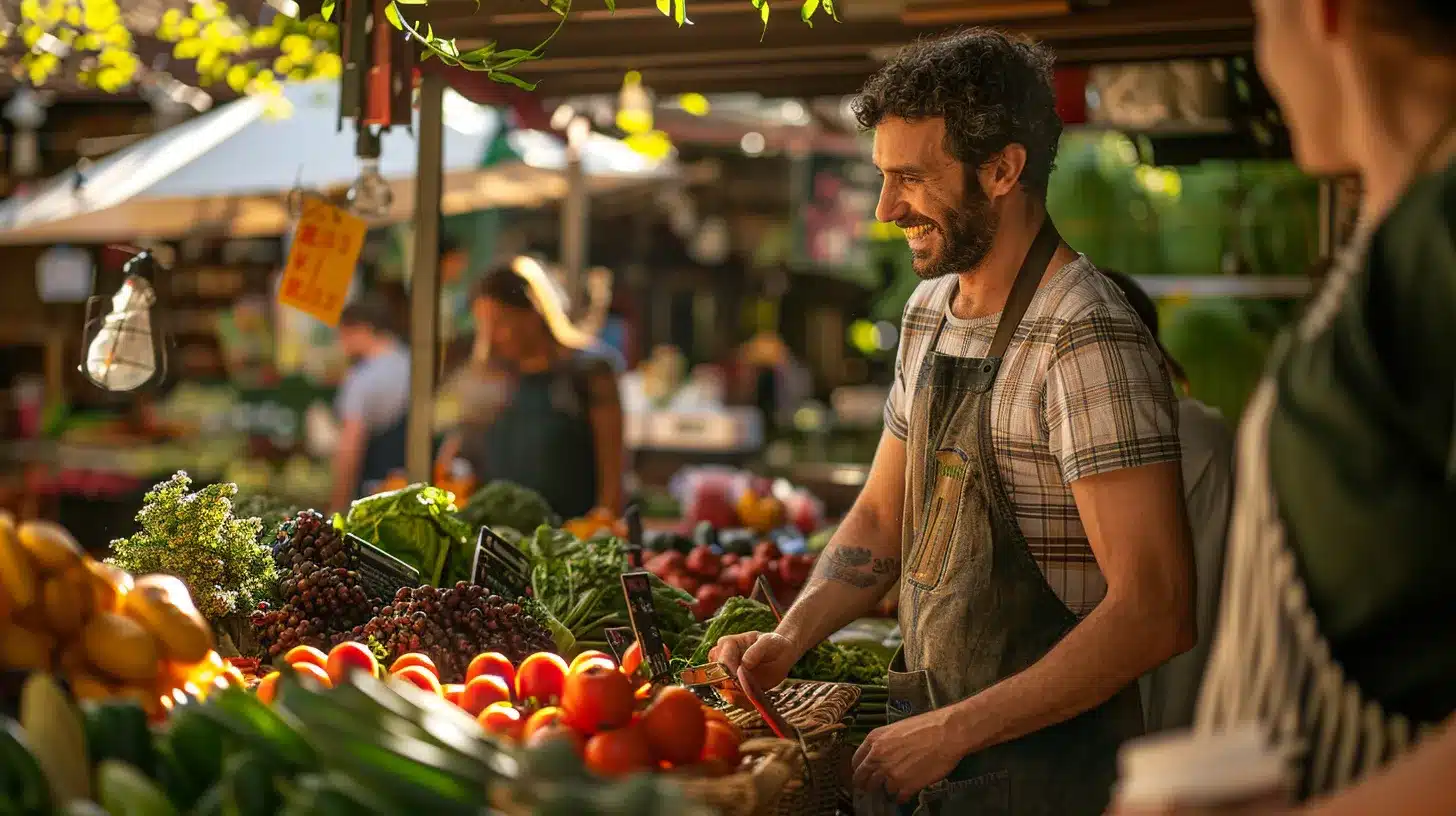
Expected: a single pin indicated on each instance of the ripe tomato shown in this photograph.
(310, 673)
(596, 698)
(556, 731)
(541, 679)
(481, 692)
(675, 726)
(421, 677)
(267, 688)
(492, 663)
(414, 659)
(717, 715)
(721, 744)
(632, 662)
(544, 718)
(347, 658)
(502, 719)
(618, 753)
(591, 655)
(306, 654)
(451, 692)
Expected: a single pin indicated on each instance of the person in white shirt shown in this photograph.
(1170, 692)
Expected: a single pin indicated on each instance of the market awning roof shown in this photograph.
(232, 168)
(726, 49)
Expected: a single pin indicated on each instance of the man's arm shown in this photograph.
(348, 457)
(1137, 527)
(605, 414)
(861, 561)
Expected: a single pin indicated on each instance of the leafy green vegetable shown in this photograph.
(270, 510)
(197, 537)
(506, 504)
(830, 662)
(417, 525)
(580, 583)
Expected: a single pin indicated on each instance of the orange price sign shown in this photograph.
(321, 261)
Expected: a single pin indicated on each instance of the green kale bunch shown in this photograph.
(270, 510)
(196, 537)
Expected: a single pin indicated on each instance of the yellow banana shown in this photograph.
(66, 598)
(109, 585)
(25, 648)
(50, 545)
(17, 573)
(162, 604)
(121, 647)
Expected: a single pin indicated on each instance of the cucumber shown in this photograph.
(124, 791)
(82, 807)
(23, 786)
(248, 787)
(117, 729)
(330, 794)
(259, 727)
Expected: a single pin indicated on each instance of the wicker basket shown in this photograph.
(818, 711)
(769, 767)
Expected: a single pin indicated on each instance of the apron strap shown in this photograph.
(1033, 266)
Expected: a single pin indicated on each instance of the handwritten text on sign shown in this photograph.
(326, 245)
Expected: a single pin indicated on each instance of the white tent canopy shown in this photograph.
(230, 171)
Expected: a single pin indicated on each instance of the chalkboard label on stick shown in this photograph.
(633, 519)
(619, 640)
(381, 573)
(499, 566)
(643, 614)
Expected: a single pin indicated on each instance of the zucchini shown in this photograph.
(117, 729)
(23, 786)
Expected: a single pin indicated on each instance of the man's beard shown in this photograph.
(965, 239)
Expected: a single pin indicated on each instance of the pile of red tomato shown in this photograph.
(618, 723)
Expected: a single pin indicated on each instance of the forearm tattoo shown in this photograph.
(858, 567)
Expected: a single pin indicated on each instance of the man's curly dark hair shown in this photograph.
(992, 89)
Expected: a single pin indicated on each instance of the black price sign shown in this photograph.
(499, 566)
(633, 518)
(619, 640)
(638, 588)
(381, 573)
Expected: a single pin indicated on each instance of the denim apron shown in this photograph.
(975, 607)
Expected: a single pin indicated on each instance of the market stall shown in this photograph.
(410, 654)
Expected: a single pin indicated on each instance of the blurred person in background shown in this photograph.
(537, 405)
(1170, 692)
(373, 400)
(1337, 632)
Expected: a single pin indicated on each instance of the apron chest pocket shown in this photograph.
(952, 475)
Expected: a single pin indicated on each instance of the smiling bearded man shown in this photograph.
(1026, 492)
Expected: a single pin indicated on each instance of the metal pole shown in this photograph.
(425, 278)
(574, 214)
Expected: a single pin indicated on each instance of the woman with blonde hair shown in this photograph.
(538, 406)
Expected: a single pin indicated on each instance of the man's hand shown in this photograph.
(908, 756)
(768, 656)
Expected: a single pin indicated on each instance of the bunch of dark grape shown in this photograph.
(452, 626)
(308, 538)
(321, 594)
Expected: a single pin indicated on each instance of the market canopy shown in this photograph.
(231, 170)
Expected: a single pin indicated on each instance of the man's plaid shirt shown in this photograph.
(1083, 390)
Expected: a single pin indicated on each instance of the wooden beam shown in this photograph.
(956, 12)
(625, 33)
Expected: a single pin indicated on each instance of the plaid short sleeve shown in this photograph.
(1109, 403)
(897, 408)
